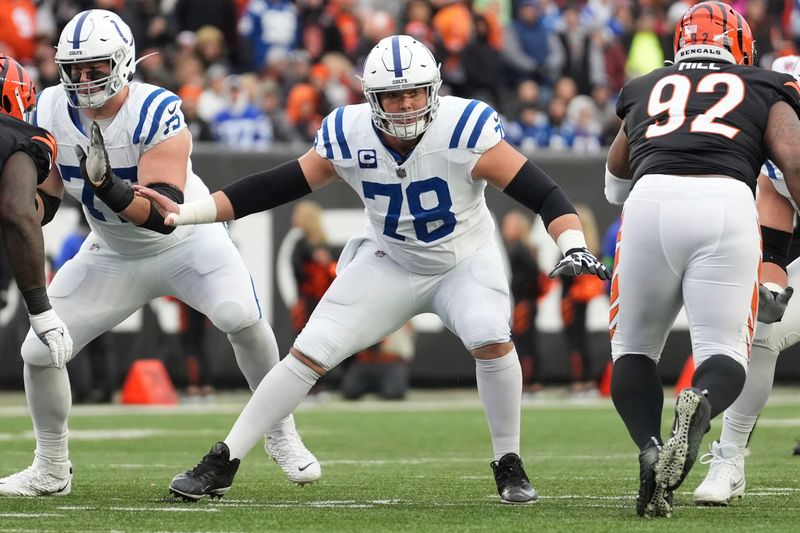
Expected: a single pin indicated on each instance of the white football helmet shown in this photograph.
(788, 65)
(95, 35)
(399, 63)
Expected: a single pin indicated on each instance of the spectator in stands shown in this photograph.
(382, 369)
(483, 66)
(268, 24)
(577, 292)
(645, 53)
(559, 133)
(269, 100)
(531, 48)
(213, 99)
(192, 15)
(584, 62)
(193, 342)
(241, 125)
(302, 111)
(312, 261)
(527, 285)
(190, 98)
(418, 15)
(582, 112)
(210, 46)
(18, 29)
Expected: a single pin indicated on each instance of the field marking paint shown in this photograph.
(166, 509)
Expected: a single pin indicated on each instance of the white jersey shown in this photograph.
(425, 211)
(148, 116)
(775, 175)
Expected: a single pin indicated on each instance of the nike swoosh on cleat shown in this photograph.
(301, 468)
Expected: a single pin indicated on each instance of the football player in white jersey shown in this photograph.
(778, 328)
(420, 164)
(131, 257)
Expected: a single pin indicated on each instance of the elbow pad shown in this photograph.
(776, 245)
(617, 189)
(155, 221)
(538, 192)
(50, 205)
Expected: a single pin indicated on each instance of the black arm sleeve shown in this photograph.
(50, 204)
(267, 189)
(154, 220)
(538, 192)
(776, 245)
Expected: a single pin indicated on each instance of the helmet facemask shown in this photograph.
(100, 88)
(405, 125)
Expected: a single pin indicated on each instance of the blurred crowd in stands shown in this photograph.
(256, 72)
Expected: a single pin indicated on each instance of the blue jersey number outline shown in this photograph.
(422, 216)
(70, 172)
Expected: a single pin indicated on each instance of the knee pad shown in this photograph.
(35, 352)
(482, 329)
(230, 317)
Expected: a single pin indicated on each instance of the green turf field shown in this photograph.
(419, 465)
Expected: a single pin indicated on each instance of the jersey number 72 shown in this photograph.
(675, 105)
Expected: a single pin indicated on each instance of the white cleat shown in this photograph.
(36, 481)
(725, 479)
(287, 449)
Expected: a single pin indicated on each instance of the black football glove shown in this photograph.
(580, 261)
(772, 304)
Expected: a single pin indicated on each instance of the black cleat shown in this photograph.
(692, 421)
(213, 476)
(513, 484)
(652, 500)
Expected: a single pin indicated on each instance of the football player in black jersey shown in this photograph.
(685, 164)
(27, 203)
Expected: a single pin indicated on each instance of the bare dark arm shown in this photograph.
(618, 155)
(20, 224)
(19, 220)
(782, 140)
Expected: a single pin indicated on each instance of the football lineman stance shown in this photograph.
(420, 164)
(691, 146)
(28, 201)
(131, 257)
(775, 331)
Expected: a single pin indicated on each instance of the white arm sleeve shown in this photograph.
(617, 189)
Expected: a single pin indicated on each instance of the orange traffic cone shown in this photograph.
(605, 381)
(148, 383)
(685, 379)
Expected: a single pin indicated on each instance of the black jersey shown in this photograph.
(19, 136)
(695, 118)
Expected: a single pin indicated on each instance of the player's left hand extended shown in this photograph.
(580, 261)
(772, 303)
(95, 167)
(53, 332)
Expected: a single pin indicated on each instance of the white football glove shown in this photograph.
(772, 302)
(53, 332)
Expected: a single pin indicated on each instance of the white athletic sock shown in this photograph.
(740, 417)
(49, 399)
(500, 390)
(256, 351)
(281, 391)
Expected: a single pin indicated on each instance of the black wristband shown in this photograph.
(538, 192)
(115, 193)
(775, 245)
(267, 189)
(36, 300)
(50, 205)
